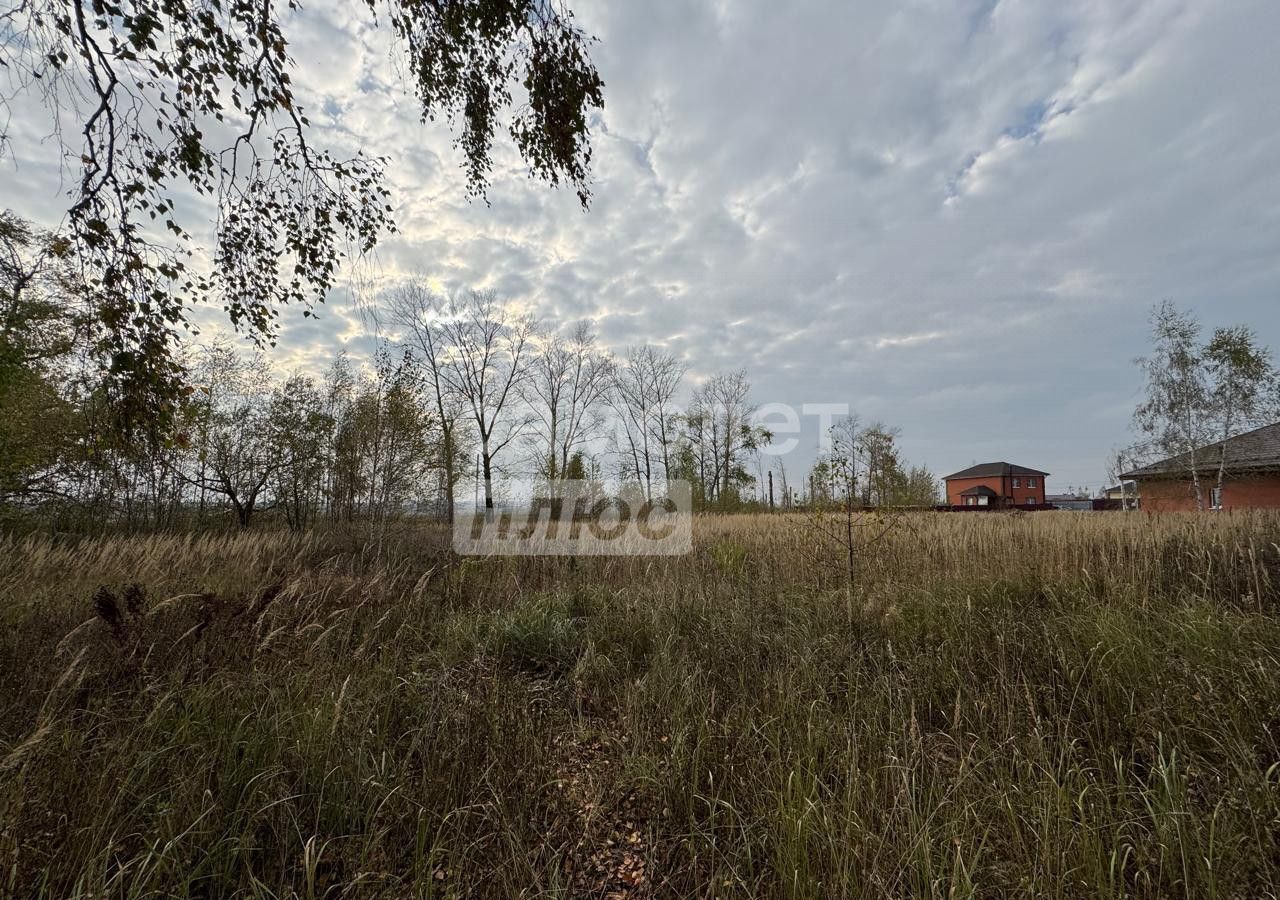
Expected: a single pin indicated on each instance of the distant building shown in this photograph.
(1119, 494)
(1252, 475)
(1127, 491)
(996, 484)
(1070, 501)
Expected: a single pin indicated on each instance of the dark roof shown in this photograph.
(980, 490)
(1251, 451)
(995, 469)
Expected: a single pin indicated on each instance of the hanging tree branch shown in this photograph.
(152, 83)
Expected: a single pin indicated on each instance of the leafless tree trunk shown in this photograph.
(569, 379)
(421, 312)
(486, 362)
(241, 457)
(644, 386)
(725, 398)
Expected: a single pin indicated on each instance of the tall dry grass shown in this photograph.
(1066, 705)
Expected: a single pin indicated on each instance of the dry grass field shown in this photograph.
(1047, 705)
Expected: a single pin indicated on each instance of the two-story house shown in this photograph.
(996, 484)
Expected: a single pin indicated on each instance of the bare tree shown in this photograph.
(421, 312)
(392, 434)
(568, 381)
(644, 389)
(238, 456)
(630, 400)
(847, 445)
(725, 409)
(340, 469)
(487, 349)
(666, 375)
(846, 529)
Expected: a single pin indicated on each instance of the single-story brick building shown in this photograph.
(996, 484)
(1252, 479)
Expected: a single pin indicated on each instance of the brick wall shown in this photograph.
(1262, 492)
(1001, 485)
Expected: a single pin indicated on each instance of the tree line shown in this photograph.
(463, 387)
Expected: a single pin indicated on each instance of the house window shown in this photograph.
(982, 501)
(1215, 498)
(1017, 482)
(1031, 482)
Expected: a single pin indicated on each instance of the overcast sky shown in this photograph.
(954, 216)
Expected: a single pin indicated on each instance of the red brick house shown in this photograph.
(996, 484)
(1251, 481)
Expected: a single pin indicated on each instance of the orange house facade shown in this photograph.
(996, 485)
(1251, 480)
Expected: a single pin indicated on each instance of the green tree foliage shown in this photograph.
(177, 97)
(39, 326)
(577, 468)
